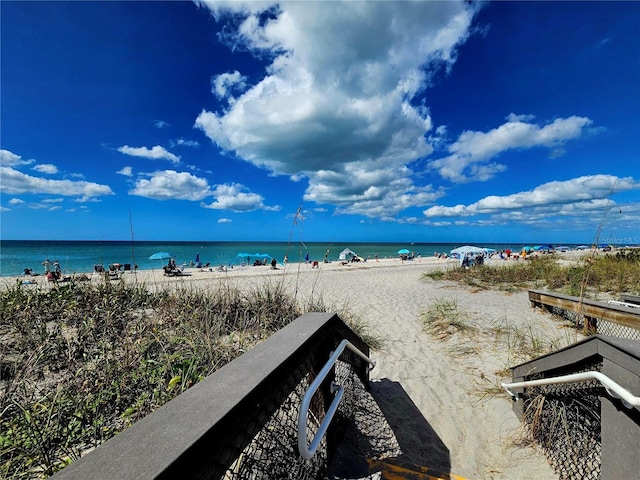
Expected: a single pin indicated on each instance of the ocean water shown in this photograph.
(81, 256)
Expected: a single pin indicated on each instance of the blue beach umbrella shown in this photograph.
(161, 256)
(403, 251)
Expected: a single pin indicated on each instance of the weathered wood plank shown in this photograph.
(618, 314)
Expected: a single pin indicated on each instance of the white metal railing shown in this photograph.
(615, 390)
(307, 451)
(623, 304)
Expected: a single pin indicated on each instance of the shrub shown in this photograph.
(82, 362)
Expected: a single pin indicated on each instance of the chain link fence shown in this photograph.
(265, 442)
(599, 326)
(564, 419)
(616, 330)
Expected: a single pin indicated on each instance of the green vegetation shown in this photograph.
(497, 343)
(81, 362)
(443, 318)
(519, 341)
(598, 273)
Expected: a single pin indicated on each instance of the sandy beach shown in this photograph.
(445, 381)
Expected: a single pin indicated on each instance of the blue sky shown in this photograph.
(376, 121)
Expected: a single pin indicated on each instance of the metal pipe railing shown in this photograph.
(307, 451)
(620, 303)
(615, 390)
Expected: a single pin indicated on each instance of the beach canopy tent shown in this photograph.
(347, 254)
(460, 252)
(544, 248)
(244, 258)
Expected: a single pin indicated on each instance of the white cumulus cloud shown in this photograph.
(15, 182)
(46, 168)
(236, 198)
(224, 84)
(10, 159)
(337, 95)
(172, 185)
(126, 171)
(154, 153)
(471, 154)
(570, 195)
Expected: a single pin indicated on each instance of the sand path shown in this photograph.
(432, 397)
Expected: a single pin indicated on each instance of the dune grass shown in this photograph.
(591, 275)
(443, 319)
(497, 343)
(81, 362)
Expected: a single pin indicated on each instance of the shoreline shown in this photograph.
(156, 276)
(85, 256)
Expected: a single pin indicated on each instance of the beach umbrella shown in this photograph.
(527, 249)
(403, 251)
(161, 256)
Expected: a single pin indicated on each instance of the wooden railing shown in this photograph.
(616, 419)
(589, 309)
(210, 430)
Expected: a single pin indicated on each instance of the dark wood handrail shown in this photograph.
(189, 437)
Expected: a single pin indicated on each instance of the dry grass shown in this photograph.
(498, 346)
(443, 319)
(81, 362)
(614, 274)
